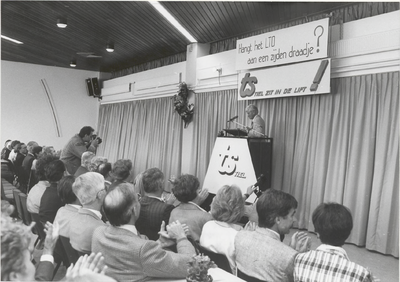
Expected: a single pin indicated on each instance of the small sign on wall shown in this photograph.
(292, 80)
(230, 163)
(289, 45)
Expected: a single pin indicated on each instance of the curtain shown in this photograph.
(148, 132)
(339, 147)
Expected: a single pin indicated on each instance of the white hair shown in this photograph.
(87, 185)
(86, 158)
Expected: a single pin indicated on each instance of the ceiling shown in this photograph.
(139, 32)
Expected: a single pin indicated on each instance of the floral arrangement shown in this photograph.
(181, 105)
(198, 269)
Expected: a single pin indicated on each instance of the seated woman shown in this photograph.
(218, 235)
(120, 172)
(186, 189)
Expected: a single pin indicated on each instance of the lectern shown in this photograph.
(261, 156)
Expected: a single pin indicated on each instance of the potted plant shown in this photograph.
(198, 269)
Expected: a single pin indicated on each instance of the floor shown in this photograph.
(384, 267)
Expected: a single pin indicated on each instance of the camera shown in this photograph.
(95, 137)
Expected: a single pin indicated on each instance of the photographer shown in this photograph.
(84, 141)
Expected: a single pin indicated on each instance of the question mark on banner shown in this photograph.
(315, 31)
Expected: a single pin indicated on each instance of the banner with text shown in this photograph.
(293, 80)
(294, 44)
(230, 163)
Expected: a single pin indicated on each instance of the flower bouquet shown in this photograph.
(198, 269)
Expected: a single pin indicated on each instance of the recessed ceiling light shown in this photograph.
(172, 20)
(62, 23)
(11, 39)
(110, 47)
(72, 63)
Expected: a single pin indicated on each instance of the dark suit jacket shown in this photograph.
(44, 271)
(49, 204)
(152, 213)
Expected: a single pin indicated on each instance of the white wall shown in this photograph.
(26, 114)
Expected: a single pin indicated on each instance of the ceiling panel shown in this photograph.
(138, 31)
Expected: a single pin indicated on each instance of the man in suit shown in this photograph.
(85, 163)
(89, 189)
(131, 256)
(76, 146)
(257, 128)
(260, 253)
(153, 209)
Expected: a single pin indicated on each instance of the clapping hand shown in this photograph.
(250, 226)
(300, 242)
(201, 196)
(50, 241)
(168, 234)
(86, 265)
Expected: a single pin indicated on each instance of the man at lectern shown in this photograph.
(257, 128)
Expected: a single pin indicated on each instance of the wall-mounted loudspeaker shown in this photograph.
(93, 88)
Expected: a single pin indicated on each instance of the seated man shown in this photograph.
(130, 256)
(89, 189)
(153, 209)
(120, 172)
(85, 163)
(329, 262)
(260, 253)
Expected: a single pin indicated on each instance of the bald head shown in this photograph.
(121, 204)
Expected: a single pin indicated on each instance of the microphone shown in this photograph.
(256, 188)
(232, 119)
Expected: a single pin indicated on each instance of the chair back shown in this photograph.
(39, 228)
(247, 277)
(7, 191)
(72, 254)
(27, 216)
(220, 260)
(18, 204)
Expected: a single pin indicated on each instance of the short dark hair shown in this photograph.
(333, 222)
(36, 150)
(41, 164)
(119, 204)
(15, 142)
(152, 180)
(86, 130)
(64, 189)
(273, 203)
(104, 169)
(185, 187)
(54, 171)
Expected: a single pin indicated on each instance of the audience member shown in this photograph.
(89, 189)
(186, 188)
(120, 171)
(36, 193)
(16, 252)
(23, 151)
(85, 163)
(138, 184)
(76, 146)
(27, 162)
(105, 169)
(96, 162)
(153, 209)
(68, 212)
(15, 145)
(329, 262)
(218, 235)
(260, 253)
(49, 150)
(5, 152)
(130, 256)
(37, 152)
(50, 201)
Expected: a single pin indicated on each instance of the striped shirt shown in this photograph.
(328, 263)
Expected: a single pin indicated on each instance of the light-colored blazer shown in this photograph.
(64, 216)
(130, 257)
(262, 255)
(81, 230)
(191, 215)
